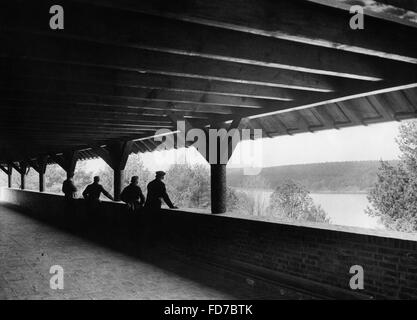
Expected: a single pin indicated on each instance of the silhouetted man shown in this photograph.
(69, 189)
(157, 192)
(93, 191)
(132, 195)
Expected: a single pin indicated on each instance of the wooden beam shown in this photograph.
(326, 118)
(111, 102)
(94, 54)
(351, 114)
(410, 5)
(383, 109)
(39, 164)
(67, 161)
(148, 145)
(9, 175)
(4, 169)
(175, 118)
(87, 74)
(86, 100)
(287, 20)
(103, 90)
(139, 146)
(115, 155)
(348, 95)
(57, 135)
(51, 123)
(67, 126)
(181, 37)
(45, 116)
(116, 113)
(379, 9)
(103, 154)
(21, 167)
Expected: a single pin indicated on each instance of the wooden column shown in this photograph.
(218, 188)
(41, 181)
(22, 168)
(116, 155)
(40, 166)
(9, 175)
(118, 183)
(8, 170)
(217, 167)
(22, 181)
(67, 161)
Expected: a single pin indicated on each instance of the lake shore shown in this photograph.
(343, 208)
(311, 191)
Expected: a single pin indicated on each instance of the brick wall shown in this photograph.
(311, 257)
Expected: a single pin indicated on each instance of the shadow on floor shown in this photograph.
(135, 240)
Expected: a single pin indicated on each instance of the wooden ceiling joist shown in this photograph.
(120, 70)
(144, 31)
(297, 20)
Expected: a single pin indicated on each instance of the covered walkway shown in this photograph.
(127, 76)
(28, 248)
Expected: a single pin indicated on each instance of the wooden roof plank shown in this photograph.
(286, 20)
(72, 51)
(167, 35)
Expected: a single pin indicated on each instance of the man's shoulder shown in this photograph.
(153, 182)
(131, 187)
(159, 183)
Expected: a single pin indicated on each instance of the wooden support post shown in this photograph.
(218, 188)
(22, 181)
(3, 169)
(116, 155)
(118, 183)
(8, 170)
(9, 175)
(67, 161)
(40, 166)
(217, 168)
(41, 181)
(22, 168)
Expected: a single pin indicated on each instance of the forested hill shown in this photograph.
(340, 177)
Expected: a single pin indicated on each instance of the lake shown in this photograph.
(347, 209)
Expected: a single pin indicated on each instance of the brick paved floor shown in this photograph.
(28, 248)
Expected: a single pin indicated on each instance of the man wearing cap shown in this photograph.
(156, 192)
(132, 195)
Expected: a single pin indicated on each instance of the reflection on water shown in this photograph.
(344, 209)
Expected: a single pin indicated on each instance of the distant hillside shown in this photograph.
(341, 177)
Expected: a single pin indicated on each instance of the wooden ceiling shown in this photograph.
(119, 68)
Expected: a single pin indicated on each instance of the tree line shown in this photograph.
(337, 177)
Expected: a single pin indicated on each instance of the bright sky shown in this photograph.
(373, 142)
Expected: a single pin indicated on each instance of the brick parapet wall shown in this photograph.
(317, 257)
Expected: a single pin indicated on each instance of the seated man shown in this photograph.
(156, 192)
(93, 191)
(69, 189)
(132, 195)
